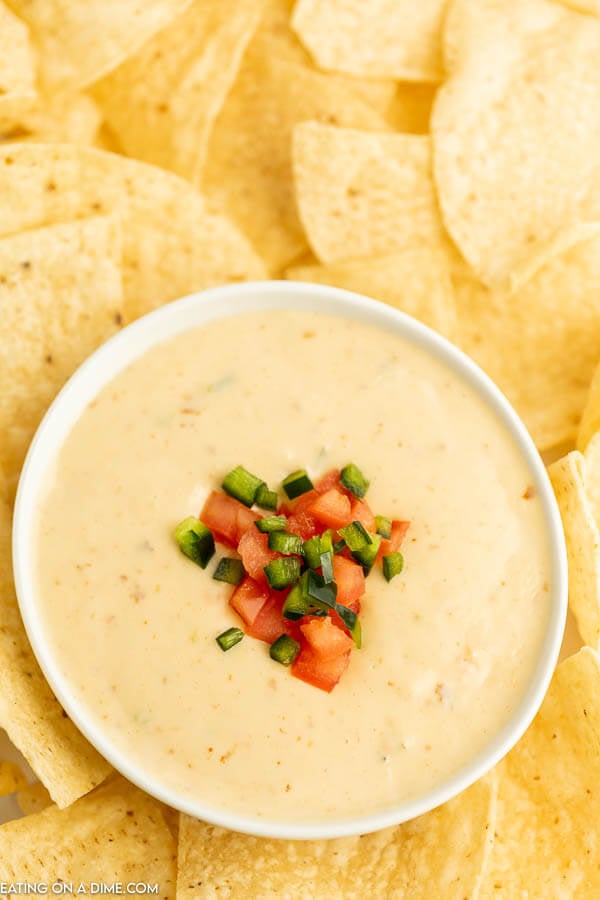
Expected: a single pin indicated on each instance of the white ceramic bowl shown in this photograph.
(196, 310)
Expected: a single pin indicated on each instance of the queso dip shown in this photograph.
(449, 646)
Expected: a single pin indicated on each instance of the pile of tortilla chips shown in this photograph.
(442, 156)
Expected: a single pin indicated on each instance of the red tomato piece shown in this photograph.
(302, 524)
(398, 532)
(248, 599)
(300, 504)
(350, 579)
(331, 509)
(325, 638)
(327, 481)
(362, 512)
(255, 553)
(226, 517)
(322, 673)
(270, 623)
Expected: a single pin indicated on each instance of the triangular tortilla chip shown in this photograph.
(115, 834)
(80, 40)
(590, 418)
(61, 296)
(516, 130)
(75, 118)
(441, 854)
(364, 194)
(11, 778)
(540, 344)
(17, 65)
(569, 477)
(397, 39)
(171, 245)
(162, 101)
(548, 800)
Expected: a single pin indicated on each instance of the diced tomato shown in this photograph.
(361, 512)
(398, 532)
(331, 509)
(325, 638)
(327, 481)
(255, 553)
(248, 599)
(303, 524)
(350, 580)
(226, 517)
(270, 623)
(299, 505)
(320, 672)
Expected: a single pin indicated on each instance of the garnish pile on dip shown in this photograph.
(449, 646)
(302, 568)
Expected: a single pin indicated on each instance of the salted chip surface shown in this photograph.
(80, 40)
(72, 117)
(162, 101)
(569, 476)
(590, 419)
(11, 777)
(17, 65)
(516, 130)
(416, 282)
(29, 712)
(397, 39)
(115, 834)
(540, 344)
(171, 244)
(364, 194)
(61, 296)
(441, 854)
(248, 172)
(548, 801)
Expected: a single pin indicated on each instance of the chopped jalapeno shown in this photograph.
(229, 638)
(195, 540)
(383, 526)
(266, 498)
(321, 592)
(315, 546)
(297, 483)
(284, 542)
(297, 602)
(354, 480)
(242, 484)
(284, 650)
(352, 623)
(393, 563)
(356, 536)
(230, 570)
(367, 555)
(271, 523)
(283, 571)
(327, 566)
(339, 546)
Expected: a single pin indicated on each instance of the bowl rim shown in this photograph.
(197, 309)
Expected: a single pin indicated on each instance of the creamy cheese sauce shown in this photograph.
(449, 646)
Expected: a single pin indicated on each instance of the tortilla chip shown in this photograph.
(540, 344)
(61, 296)
(516, 131)
(248, 172)
(74, 118)
(584, 6)
(80, 40)
(117, 833)
(364, 194)
(11, 778)
(569, 477)
(397, 39)
(33, 798)
(548, 799)
(17, 65)
(441, 854)
(171, 245)
(590, 419)
(416, 282)
(29, 712)
(592, 475)
(162, 101)
(410, 109)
